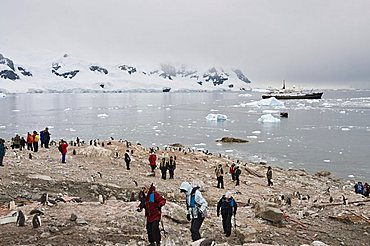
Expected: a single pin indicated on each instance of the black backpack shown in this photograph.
(60, 148)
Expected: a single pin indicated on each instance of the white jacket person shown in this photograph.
(196, 204)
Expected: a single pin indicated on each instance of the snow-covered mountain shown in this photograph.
(70, 74)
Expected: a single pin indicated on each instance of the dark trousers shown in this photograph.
(35, 146)
(1, 160)
(220, 182)
(127, 165)
(226, 224)
(269, 182)
(153, 167)
(233, 176)
(172, 172)
(154, 234)
(195, 227)
(237, 180)
(63, 158)
(163, 173)
(29, 146)
(46, 143)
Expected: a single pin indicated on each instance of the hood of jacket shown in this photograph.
(186, 186)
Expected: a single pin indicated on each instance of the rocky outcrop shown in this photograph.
(129, 69)
(8, 74)
(98, 69)
(24, 71)
(66, 75)
(232, 140)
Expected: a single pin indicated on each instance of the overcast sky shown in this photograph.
(312, 42)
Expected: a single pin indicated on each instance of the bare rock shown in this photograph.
(232, 140)
(322, 174)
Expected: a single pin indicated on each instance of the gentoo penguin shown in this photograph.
(21, 219)
(92, 178)
(100, 175)
(74, 152)
(345, 200)
(101, 199)
(36, 221)
(331, 199)
(44, 199)
(30, 156)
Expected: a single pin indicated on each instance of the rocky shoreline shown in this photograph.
(312, 211)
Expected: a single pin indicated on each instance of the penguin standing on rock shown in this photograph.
(36, 221)
(101, 199)
(44, 199)
(21, 219)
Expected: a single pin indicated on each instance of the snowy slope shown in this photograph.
(64, 73)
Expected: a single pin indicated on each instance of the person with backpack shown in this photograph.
(29, 141)
(152, 202)
(152, 161)
(220, 176)
(42, 138)
(232, 171)
(359, 187)
(196, 208)
(36, 138)
(127, 159)
(237, 175)
(228, 208)
(63, 145)
(171, 167)
(269, 176)
(2, 151)
(45, 138)
(163, 166)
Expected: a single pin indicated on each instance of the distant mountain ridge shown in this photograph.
(68, 73)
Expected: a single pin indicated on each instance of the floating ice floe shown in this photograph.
(214, 110)
(351, 176)
(268, 118)
(139, 110)
(342, 112)
(67, 109)
(269, 111)
(256, 132)
(2, 127)
(327, 161)
(252, 137)
(345, 129)
(103, 116)
(272, 101)
(2, 95)
(216, 117)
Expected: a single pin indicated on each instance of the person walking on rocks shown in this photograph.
(232, 171)
(45, 138)
(2, 151)
(63, 145)
(29, 141)
(36, 138)
(127, 159)
(163, 166)
(220, 176)
(196, 208)
(172, 167)
(228, 208)
(152, 202)
(269, 176)
(237, 175)
(153, 161)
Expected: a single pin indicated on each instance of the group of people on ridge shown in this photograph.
(363, 189)
(164, 164)
(196, 206)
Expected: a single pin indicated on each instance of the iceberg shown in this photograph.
(216, 117)
(2, 95)
(268, 118)
(272, 102)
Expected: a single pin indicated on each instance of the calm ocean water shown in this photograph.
(328, 134)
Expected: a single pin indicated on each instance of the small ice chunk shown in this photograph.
(67, 109)
(345, 129)
(256, 132)
(327, 161)
(200, 144)
(216, 117)
(139, 110)
(272, 101)
(102, 116)
(268, 118)
(2, 95)
(252, 137)
(214, 110)
(229, 150)
(342, 112)
(351, 176)
(269, 111)
(2, 127)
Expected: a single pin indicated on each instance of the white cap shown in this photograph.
(228, 194)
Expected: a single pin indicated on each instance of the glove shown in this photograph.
(139, 210)
(188, 217)
(218, 214)
(159, 208)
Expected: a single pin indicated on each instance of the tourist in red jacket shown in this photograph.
(152, 202)
(63, 145)
(153, 161)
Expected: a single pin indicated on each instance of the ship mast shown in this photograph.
(284, 84)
